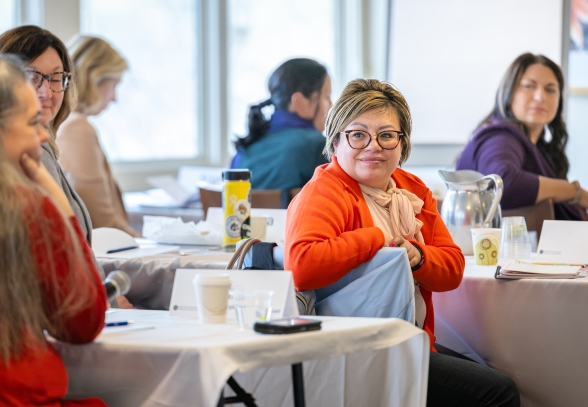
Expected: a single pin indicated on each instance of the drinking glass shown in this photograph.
(252, 306)
(515, 242)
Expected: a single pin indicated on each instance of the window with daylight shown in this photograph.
(155, 116)
(265, 33)
(7, 14)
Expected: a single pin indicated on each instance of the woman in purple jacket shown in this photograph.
(523, 140)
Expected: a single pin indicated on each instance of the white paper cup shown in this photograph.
(252, 306)
(259, 227)
(486, 242)
(212, 294)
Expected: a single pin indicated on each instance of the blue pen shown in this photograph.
(119, 323)
(122, 249)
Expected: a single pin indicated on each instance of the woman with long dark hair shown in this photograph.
(524, 138)
(283, 152)
(48, 280)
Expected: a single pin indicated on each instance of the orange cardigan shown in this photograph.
(330, 231)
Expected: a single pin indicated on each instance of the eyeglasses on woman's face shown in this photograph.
(360, 139)
(57, 81)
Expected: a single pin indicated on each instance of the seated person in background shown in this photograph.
(50, 68)
(48, 280)
(513, 140)
(283, 152)
(362, 202)
(98, 70)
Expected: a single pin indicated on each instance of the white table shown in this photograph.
(350, 362)
(533, 330)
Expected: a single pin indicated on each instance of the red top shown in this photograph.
(38, 377)
(330, 231)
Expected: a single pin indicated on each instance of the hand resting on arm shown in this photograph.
(37, 172)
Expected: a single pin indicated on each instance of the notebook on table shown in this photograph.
(519, 269)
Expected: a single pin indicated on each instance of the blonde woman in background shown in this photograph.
(98, 71)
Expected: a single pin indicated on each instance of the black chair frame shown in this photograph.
(246, 398)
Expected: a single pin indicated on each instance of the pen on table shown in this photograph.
(118, 323)
(122, 249)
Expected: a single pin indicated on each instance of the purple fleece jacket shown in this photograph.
(499, 147)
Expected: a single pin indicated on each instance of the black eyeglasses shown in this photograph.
(359, 139)
(57, 80)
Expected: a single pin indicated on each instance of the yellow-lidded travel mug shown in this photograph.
(236, 207)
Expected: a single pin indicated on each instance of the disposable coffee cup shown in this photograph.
(252, 306)
(212, 294)
(486, 242)
(259, 227)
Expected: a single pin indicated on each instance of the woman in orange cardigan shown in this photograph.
(360, 203)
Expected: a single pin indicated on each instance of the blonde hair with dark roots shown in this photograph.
(363, 95)
(23, 307)
(95, 61)
(29, 42)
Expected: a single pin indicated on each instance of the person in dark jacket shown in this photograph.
(523, 140)
(283, 152)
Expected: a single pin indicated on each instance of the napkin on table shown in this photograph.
(163, 229)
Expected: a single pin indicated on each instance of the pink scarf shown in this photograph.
(403, 206)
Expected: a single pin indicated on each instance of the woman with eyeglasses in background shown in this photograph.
(98, 71)
(50, 70)
(524, 139)
(283, 152)
(48, 280)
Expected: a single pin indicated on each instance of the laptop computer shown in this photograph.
(563, 241)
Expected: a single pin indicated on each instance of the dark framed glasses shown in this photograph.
(57, 81)
(360, 139)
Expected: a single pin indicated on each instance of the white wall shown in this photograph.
(447, 57)
(577, 149)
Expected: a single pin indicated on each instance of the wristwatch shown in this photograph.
(420, 263)
(576, 198)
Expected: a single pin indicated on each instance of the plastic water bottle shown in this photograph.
(236, 207)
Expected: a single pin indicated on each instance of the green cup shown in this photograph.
(486, 245)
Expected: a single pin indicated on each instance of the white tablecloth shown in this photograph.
(178, 362)
(533, 330)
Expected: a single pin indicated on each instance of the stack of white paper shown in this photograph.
(520, 269)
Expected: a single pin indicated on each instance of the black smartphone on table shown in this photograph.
(287, 326)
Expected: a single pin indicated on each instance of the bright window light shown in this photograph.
(7, 14)
(265, 33)
(155, 115)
